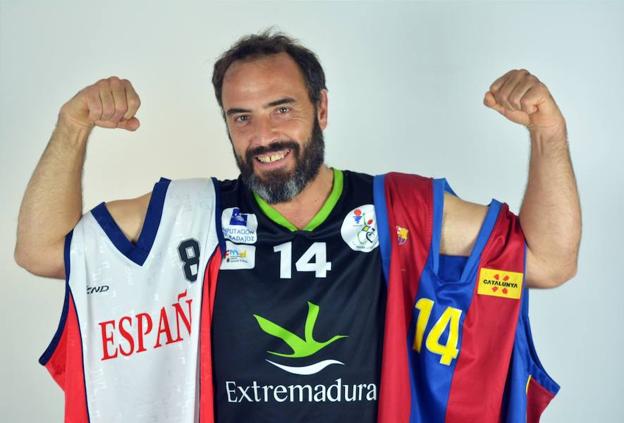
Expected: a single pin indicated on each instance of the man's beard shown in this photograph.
(281, 185)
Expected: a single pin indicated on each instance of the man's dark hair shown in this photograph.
(265, 44)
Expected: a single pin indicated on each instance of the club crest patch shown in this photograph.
(239, 227)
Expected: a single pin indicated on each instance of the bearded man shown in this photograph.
(297, 292)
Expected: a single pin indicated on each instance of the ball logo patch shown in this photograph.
(359, 229)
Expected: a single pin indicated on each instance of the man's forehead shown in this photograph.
(276, 75)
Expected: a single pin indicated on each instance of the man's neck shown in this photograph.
(300, 210)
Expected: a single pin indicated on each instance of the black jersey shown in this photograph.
(298, 315)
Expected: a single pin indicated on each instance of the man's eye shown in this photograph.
(283, 109)
(241, 118)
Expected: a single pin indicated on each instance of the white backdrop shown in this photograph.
(406, 82)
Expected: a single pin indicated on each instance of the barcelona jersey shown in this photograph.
(457, 345)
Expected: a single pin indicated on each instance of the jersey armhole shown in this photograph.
(217, 215)
(536, 370)
(52, 347)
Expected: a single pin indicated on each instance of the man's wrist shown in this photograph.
(556, 135)
(71, 131)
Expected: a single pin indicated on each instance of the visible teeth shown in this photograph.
(269, 158)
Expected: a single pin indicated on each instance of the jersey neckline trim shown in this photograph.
(138, 252)
(318, 218)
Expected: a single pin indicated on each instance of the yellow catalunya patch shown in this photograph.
(500, 283)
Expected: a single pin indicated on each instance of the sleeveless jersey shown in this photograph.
(457, 344)
(298, 314)
(127, 346)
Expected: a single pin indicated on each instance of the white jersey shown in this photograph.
(127, 347)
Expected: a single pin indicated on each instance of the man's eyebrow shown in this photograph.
(234, 111)
(285, 100)
(279, 102)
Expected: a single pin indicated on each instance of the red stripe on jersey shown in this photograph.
(538, 399)
(488, 334)
(206, 399)
(409, 200)
(66, 367)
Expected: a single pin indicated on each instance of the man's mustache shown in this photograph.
(274, 146)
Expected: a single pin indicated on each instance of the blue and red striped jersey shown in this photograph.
(457, 343)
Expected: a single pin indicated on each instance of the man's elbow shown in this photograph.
(554, 275)
(46, 263)
(564, 274)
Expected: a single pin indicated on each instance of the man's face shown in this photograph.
(275, 130)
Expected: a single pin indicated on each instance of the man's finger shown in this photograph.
(132, 99)
(502, 95)
(131, 124)
(94, 103)
(517, 96)
(108, 104)
(499, 82)
(119, 98)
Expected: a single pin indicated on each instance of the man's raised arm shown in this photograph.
(550, 215)
(52, 203)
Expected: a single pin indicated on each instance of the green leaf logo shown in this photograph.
(300, 347)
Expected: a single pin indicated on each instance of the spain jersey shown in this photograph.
(457, 344)
(135, 317)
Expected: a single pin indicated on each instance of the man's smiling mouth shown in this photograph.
(273, 156)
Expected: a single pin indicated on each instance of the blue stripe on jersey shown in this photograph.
(440, 186)
(136, 252)
(432, 378)
(381, 212)
(47, 354)
(438, 213)
(524, 363)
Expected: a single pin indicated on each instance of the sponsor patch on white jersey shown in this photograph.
(239, 227)
(238, 256)
(359, 229)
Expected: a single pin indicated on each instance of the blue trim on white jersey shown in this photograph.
(47, 354)
(381, 212)
(138, 252)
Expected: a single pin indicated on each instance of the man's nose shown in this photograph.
(265, 132)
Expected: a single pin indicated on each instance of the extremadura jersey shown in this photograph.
(298, 314)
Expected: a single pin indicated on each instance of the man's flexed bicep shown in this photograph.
(52, 203)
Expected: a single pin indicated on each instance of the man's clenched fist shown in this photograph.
(109, 103)
(524, 99)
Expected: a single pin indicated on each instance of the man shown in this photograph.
(284, 301)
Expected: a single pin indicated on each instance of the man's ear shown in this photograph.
(322, 109)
